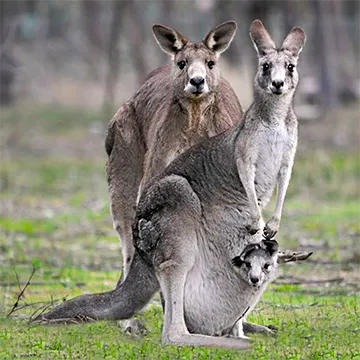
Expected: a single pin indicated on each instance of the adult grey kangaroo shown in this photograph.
(178, 105)
(197, 215)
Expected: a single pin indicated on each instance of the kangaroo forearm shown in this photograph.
(247, 178)
(283, 184)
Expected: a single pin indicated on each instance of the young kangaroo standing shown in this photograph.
(178, 106)
(200, 213)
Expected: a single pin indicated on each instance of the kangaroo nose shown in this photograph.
(254, 279)
(278, 84)
(197, 81)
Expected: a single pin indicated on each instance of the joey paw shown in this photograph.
(271, 228)
(253, 226)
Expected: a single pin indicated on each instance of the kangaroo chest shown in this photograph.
(272, 143)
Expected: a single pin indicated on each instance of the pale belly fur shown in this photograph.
(216, 298)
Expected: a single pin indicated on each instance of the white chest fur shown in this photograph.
(209, 298)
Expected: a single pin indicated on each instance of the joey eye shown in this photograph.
(248, 265)
(266, 266)
(266, 66)
(291, 67)
(210, 64)
(181, 64)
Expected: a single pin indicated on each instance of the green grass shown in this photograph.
(54, 214)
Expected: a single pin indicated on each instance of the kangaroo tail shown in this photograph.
(122, 303)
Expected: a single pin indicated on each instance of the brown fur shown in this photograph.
(159, 122)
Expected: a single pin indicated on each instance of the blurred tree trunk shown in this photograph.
(325, 38)
(137, 35)
(127, 20)
(167, 11)
(91, 11)
(225, 10)
(290, 14)
(345, 65)
(112, 58)
(8, 10)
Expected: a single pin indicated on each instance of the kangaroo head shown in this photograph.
(277, 73)
(257, 263)
(195, 64)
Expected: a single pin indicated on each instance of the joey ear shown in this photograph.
(261, 38)
(237, 261)
(271, 246)
(220, 37)
(248, 249)
(295, 41)
(168, 39)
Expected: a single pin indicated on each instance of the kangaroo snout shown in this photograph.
(277, 86)
(197, 85)
(197, 81)
(254, 280)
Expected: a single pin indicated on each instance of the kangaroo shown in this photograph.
(199, 213)
(178, 105)
(257, 266)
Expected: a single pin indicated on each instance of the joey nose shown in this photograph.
(277, 84)
(254, 280)
(197, 81)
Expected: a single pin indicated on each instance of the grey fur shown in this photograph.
(166, 116)
(203, 211)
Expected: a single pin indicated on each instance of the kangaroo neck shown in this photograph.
(196, 105)
(195, 110)
(271, 108)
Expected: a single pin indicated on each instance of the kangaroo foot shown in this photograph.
(251, 328)
(133, 327)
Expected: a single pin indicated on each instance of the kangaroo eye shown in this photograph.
(210, 64)
(266, 66)
(181, 64)
(291, 67)
(266, 266)
(248, 265)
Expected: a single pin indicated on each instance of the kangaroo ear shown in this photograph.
(168, 39)
(237, 261)
(295, 41)
(248, 249)
(220, 37)
(271, 246)
(261, 38)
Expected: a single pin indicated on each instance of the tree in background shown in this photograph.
(8, 13)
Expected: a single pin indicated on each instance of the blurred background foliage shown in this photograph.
(94, 53)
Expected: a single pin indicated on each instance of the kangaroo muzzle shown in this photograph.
(197, 84)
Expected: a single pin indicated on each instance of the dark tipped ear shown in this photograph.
(168, 39)
(261, 38)
(248, 249)
(220, 37)
(271, 246)
(295, 41)
(237, 261)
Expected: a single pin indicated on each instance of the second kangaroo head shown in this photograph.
(277, 73)
(257, 264)
(195, 64)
